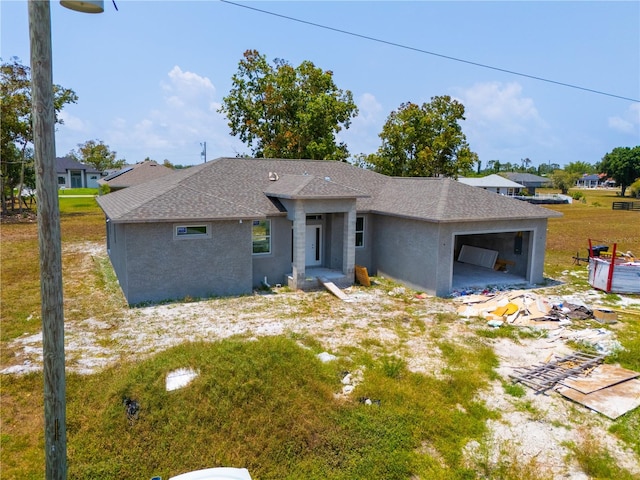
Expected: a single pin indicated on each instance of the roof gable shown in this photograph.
(308, 186)
(64, 164)
(490, 181)
(135, 174)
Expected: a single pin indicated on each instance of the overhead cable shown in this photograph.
(420, 50)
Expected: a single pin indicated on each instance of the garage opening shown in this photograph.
(489, 259)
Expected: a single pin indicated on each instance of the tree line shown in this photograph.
(281, 111)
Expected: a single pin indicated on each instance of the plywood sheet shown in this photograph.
(611, 401)
(481, 257)
(333, 289)
(362, 276)
(602, 376)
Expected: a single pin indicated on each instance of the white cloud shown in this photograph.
(362, 135)
(501, 120)
(629, 122)
(72, 123)
(186, 115)
(369, 109)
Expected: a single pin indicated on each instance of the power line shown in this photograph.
(427, 52)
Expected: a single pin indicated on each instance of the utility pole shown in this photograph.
(49, 240)
(55, 431)
(204, 151)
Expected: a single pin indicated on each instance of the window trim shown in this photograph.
(360, 231)
(268, 237)
(193, 235)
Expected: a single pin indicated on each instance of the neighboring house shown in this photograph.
(226, 226)
(134, 174)
(529, 180)
(494, 183)
(73, 174)
(596, 180)
(590, 181)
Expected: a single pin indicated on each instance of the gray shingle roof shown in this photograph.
(63, 164)
(234, 188)
(309, 186)
(135, 174)
(526, 178)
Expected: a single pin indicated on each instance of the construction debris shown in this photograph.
(545, 376)
(525, 308)
(329, 285)
(362, 276)
(608, 389)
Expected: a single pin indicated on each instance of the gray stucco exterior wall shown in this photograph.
(277, 264)
(160, 266)
(406, 250)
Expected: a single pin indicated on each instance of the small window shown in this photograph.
(359, 231)
(261, 237)
(62, 180)
(192, 231)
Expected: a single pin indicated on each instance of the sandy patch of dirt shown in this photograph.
(533, 428)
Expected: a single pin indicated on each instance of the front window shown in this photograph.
(359, 231)
(192, 231)
(261, 237)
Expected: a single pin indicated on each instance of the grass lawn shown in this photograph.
(269, 404)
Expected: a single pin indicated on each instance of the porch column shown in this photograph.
(299, 245)
(349, 242)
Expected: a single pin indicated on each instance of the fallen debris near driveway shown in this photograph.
(525, 308)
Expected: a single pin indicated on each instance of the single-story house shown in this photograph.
(494, 183)
(229, 225)
(73, 174)
(590, 181)
(595, 180)
(529, 180)
(134, 174)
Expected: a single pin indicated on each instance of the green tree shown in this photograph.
(580, 168)
(97, 154)
(547, 168)
(623, 165)
(564, 180)
(16, 137)
(493, 166)
(635, 189)
(287, 112)
(425, 141)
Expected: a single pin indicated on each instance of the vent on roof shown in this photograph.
(273, 176)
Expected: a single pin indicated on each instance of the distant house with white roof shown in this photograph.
(494, 183)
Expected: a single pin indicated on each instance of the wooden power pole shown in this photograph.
(48, 241)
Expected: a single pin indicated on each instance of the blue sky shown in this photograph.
(151, 75)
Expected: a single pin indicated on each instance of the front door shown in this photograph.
(76, 179)
(313, 251)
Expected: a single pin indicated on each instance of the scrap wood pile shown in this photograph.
(607, 389)
(520, 307)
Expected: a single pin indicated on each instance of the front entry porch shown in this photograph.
(312, 274)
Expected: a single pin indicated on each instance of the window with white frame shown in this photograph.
(192, 231)
(261, 237)
(359, 231)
